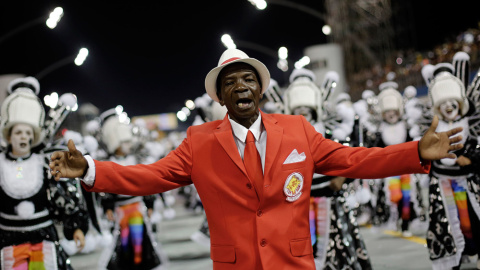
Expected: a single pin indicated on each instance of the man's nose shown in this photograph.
(240, 87)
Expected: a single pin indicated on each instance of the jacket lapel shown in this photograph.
(224, 135)
(274, 140)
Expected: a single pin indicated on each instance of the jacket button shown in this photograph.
(259, 213)
(263, 242)
(249, 186)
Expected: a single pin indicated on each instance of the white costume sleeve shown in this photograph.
(89, 178)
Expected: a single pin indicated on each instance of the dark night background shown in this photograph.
(150, 56)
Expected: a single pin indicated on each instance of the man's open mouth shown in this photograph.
(244, 103)
(23, 145)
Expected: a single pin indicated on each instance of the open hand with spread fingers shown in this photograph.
(68, 164)
(437, 145)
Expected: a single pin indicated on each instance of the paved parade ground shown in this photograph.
(388, 250)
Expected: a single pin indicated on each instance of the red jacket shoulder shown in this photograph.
(206, 126)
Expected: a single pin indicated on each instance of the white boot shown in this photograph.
(407, 234)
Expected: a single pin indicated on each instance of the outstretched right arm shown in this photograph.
(168, 173)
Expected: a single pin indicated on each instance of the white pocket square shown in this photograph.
(294, 157)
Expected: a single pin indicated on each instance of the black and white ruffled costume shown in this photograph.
(454, 190)
(30, 202)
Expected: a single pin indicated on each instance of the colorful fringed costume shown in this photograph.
(398, 197)
(134, 246)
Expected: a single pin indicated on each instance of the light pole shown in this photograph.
(78, 59)
(51, 22)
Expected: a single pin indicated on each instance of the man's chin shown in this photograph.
(244, 114)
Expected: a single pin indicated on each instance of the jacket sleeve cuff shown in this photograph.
(425, 164)
(89, 178)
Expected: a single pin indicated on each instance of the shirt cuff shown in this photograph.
(89, 178)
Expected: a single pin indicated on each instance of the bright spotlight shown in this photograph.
(186, 111)
(302, 62)
(283, 53)
(326, 29)
(123, 118)
(181, 116)
(81, 56)
(260, 4)
(190, 104)
(54, 17)
(51, 100)
(119, 109)
(228, 42)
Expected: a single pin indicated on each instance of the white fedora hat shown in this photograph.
(231, 56)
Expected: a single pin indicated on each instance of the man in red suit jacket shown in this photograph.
(253, 226)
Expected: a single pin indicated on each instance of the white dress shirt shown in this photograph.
(240, 136)
(259, 132)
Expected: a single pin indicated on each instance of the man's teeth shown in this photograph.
(243, 104)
